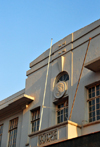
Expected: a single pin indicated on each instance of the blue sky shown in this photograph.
(26, 29)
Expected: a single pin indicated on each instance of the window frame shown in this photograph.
(33, 120)
(62, 108)
(57, 80)
(95, 101)
(12, 130)
(1, 134)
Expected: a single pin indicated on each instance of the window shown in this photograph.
(35, 120)
(94, 103)
(63, 76)
(1, 130)
(13, 132)
(62, 112)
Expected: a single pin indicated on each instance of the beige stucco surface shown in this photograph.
(72, 48)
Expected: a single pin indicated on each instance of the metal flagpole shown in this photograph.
(79, 79)
(45, 87)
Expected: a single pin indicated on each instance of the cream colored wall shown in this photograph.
(74, 55)
(5, 135)
(35, 82)
(88, 77)
(90, 129)
(73, 131)
(62, 133)
(73, 64)
(33, 142)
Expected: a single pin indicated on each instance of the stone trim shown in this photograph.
(92, 123)
(31, 65)
(71, 139)
(32, 71)
(12, 97)
(54, 127)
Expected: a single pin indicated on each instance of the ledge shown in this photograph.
(30, 71)
(53, 142)
(92, 123)
(15, 105)
(54, 127)
(64, 140)
(27, 144)
(63, 99)
(77, 35)
(93, 65)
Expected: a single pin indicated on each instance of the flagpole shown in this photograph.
(41, 116)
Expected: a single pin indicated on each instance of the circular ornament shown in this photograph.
(60, 89)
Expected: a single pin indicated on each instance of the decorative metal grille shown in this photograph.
(94, 103)
(35, 120)
(1, 131)
(13, 132)
(47, 137)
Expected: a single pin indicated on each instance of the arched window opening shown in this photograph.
(63, 76)
(61, 97)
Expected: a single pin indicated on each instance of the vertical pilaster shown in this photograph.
(71, 77)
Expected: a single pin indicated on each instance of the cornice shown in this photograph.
(32, 70)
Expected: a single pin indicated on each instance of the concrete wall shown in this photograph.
(90, 140)
(74, 56)
(72, 48)
(5, 135)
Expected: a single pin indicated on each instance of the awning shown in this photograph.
(15, 105)
(93, 65)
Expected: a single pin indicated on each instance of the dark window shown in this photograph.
(35, 120)
(94, 103)
(62, 77)
(13, 132)
(1, 131)
(62, 112)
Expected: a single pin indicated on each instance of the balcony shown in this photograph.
(56, 133)
(93, 65)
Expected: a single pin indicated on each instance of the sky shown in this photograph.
(26, 29)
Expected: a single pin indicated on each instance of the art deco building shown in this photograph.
(65, 110)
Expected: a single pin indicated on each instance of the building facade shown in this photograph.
(26, 121)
